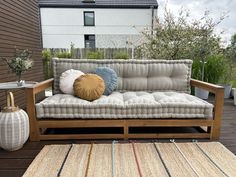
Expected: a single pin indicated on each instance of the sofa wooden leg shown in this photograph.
(30, 102)
(215, 134)
(218, 111)
(34, 131)
(34, 137)
(126, 131)
(215, 131)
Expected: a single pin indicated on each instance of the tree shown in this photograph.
(231, 50)
(230, 55)
(180, 36)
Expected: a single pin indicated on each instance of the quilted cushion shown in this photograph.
(67, 79)
(126, 105)
(135, 75)
(89, 87)
(110, 78)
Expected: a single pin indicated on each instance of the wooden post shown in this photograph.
(30, 107)
(218, 111)
(126, 130)
(218, 105)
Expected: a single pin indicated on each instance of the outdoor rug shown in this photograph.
(134, 160)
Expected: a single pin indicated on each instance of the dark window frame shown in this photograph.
(89, 35)
(93, 18)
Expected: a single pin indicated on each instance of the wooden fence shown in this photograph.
(106, 53)
(83, 53)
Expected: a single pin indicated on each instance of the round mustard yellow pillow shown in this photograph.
(89, 87)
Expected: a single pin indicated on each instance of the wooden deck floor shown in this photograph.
(14, 164)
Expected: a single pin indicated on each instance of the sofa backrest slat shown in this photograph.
(134, 75)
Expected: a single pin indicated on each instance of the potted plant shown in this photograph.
(19, 64)
(209, 70)
(226, 79)
(198, 72)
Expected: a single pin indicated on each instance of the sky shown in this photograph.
(198, 7)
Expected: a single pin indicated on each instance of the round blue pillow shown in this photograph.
(110, 78)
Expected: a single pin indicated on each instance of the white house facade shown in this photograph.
(90, 24)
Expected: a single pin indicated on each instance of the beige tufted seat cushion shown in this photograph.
(126, 105)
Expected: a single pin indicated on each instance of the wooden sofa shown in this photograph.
(38, 126)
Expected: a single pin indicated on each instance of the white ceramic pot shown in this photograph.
(14, 126)
(227, 90)
(201, 93)
(234, 94)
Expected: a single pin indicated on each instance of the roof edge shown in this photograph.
(99, 6)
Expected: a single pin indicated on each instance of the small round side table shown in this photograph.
(8, 86)
(14, 122)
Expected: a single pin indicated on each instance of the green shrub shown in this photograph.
(46, 54)
(47, 68)
(233, 84)
(233, 80)
(212, 71)
(216, 68)
(95, 55)
(63, 55)
(121, 55)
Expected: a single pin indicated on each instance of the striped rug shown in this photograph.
(134, 160)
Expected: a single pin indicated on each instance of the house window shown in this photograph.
(89, 18)
(89, 41)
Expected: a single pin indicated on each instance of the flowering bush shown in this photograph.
(20, 63)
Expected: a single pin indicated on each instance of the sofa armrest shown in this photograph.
(41, 86)
(213, 88)
(30, 106)
(218, 104)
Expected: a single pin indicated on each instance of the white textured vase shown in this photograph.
(14, 128)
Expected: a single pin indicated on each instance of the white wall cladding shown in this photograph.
(113, 27)
(117, 41)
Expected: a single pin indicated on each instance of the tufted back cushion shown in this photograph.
(134, 75)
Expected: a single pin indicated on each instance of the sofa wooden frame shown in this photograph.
(38, 125)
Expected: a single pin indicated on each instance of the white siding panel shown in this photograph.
(61, 26)
(80, 30)
(62, 41)
(61, 16)
(117, 41)
(126, 17)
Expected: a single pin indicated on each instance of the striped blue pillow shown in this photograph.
(110, 78)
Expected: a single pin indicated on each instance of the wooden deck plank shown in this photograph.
(13, 164)
(19, 163)
(12, 173)
(22, 154)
